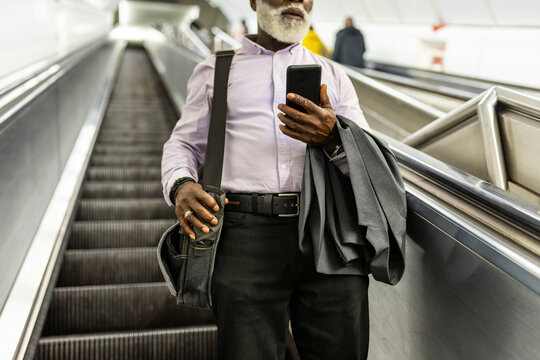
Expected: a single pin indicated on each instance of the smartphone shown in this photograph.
(304, 80)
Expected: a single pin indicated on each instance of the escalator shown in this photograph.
(109, 301)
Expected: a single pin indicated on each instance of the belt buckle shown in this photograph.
(297, 196)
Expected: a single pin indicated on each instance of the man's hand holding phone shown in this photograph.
(316, 126)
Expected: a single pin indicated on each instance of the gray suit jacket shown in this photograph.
(354, 225)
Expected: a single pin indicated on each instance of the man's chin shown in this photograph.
(287, 39)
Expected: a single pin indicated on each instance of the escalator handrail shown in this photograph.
(177, 44)
(15, 96)
(220, 35)
(202, 49)
(392, 93)
(485, 195)
(31, 71)
(452, 80)
(421, 84)
(485, 106)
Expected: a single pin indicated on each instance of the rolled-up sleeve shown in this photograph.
(348, 107)
(185, 150)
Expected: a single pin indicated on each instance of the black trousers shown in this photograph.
(261, 281)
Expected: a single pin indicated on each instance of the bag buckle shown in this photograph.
(295, 195)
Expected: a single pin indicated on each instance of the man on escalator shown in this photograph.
(261, 279)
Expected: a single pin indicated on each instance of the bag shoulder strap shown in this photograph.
(213, 164)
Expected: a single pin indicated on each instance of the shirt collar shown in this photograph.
(250, 47)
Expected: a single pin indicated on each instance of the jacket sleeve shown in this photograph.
(348, 107)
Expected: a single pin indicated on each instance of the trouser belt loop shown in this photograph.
(255, 203)
(267, 201)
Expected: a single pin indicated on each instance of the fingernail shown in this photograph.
(205, 229)
(216, 208)
(280, 106)
(290, 96)
(214, 222)
(192, 236)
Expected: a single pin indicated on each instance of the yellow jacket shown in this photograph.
(314, 44)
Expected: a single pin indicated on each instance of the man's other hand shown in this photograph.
(317, 126)
(191, 197)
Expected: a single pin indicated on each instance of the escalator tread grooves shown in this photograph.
(187, 343)
(110, 301)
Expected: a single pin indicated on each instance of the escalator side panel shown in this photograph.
(452, 303)
(35, 143)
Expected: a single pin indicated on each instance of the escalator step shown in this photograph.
(109, 189)
(87, 309)
(147, 115)
(136, 122)
(126, 160)
(133, 134)
(191, 343)
(124, 209)
(117, 234)
(149, 140)
(133, 173)
(109, 266)
(128, 149)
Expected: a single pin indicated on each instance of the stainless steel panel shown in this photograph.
(389, 111)
(452, 302)
(438, 101)
(461, 147)
(524, 193)
(34, 145)
(520, 136)
(174, 65)
(76, 90)
(29, 172)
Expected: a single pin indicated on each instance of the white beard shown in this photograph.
(284, 30)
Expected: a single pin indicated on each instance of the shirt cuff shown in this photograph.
(180, 173)
(339, 161)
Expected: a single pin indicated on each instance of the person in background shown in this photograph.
(314, 44)
(350, 46)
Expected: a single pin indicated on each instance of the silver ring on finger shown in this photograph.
(188, 214)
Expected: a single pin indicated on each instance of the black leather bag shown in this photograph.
(187, 265)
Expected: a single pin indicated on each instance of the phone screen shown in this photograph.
(304, 80)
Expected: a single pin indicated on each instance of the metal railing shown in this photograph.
(189, 39)
(485, 106)
(222, 40)
(27, 84)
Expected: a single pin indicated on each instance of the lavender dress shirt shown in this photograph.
(258, 157)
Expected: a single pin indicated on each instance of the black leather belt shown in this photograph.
(284, 204)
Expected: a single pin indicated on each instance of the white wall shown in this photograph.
(33, 30)
(504, 54)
